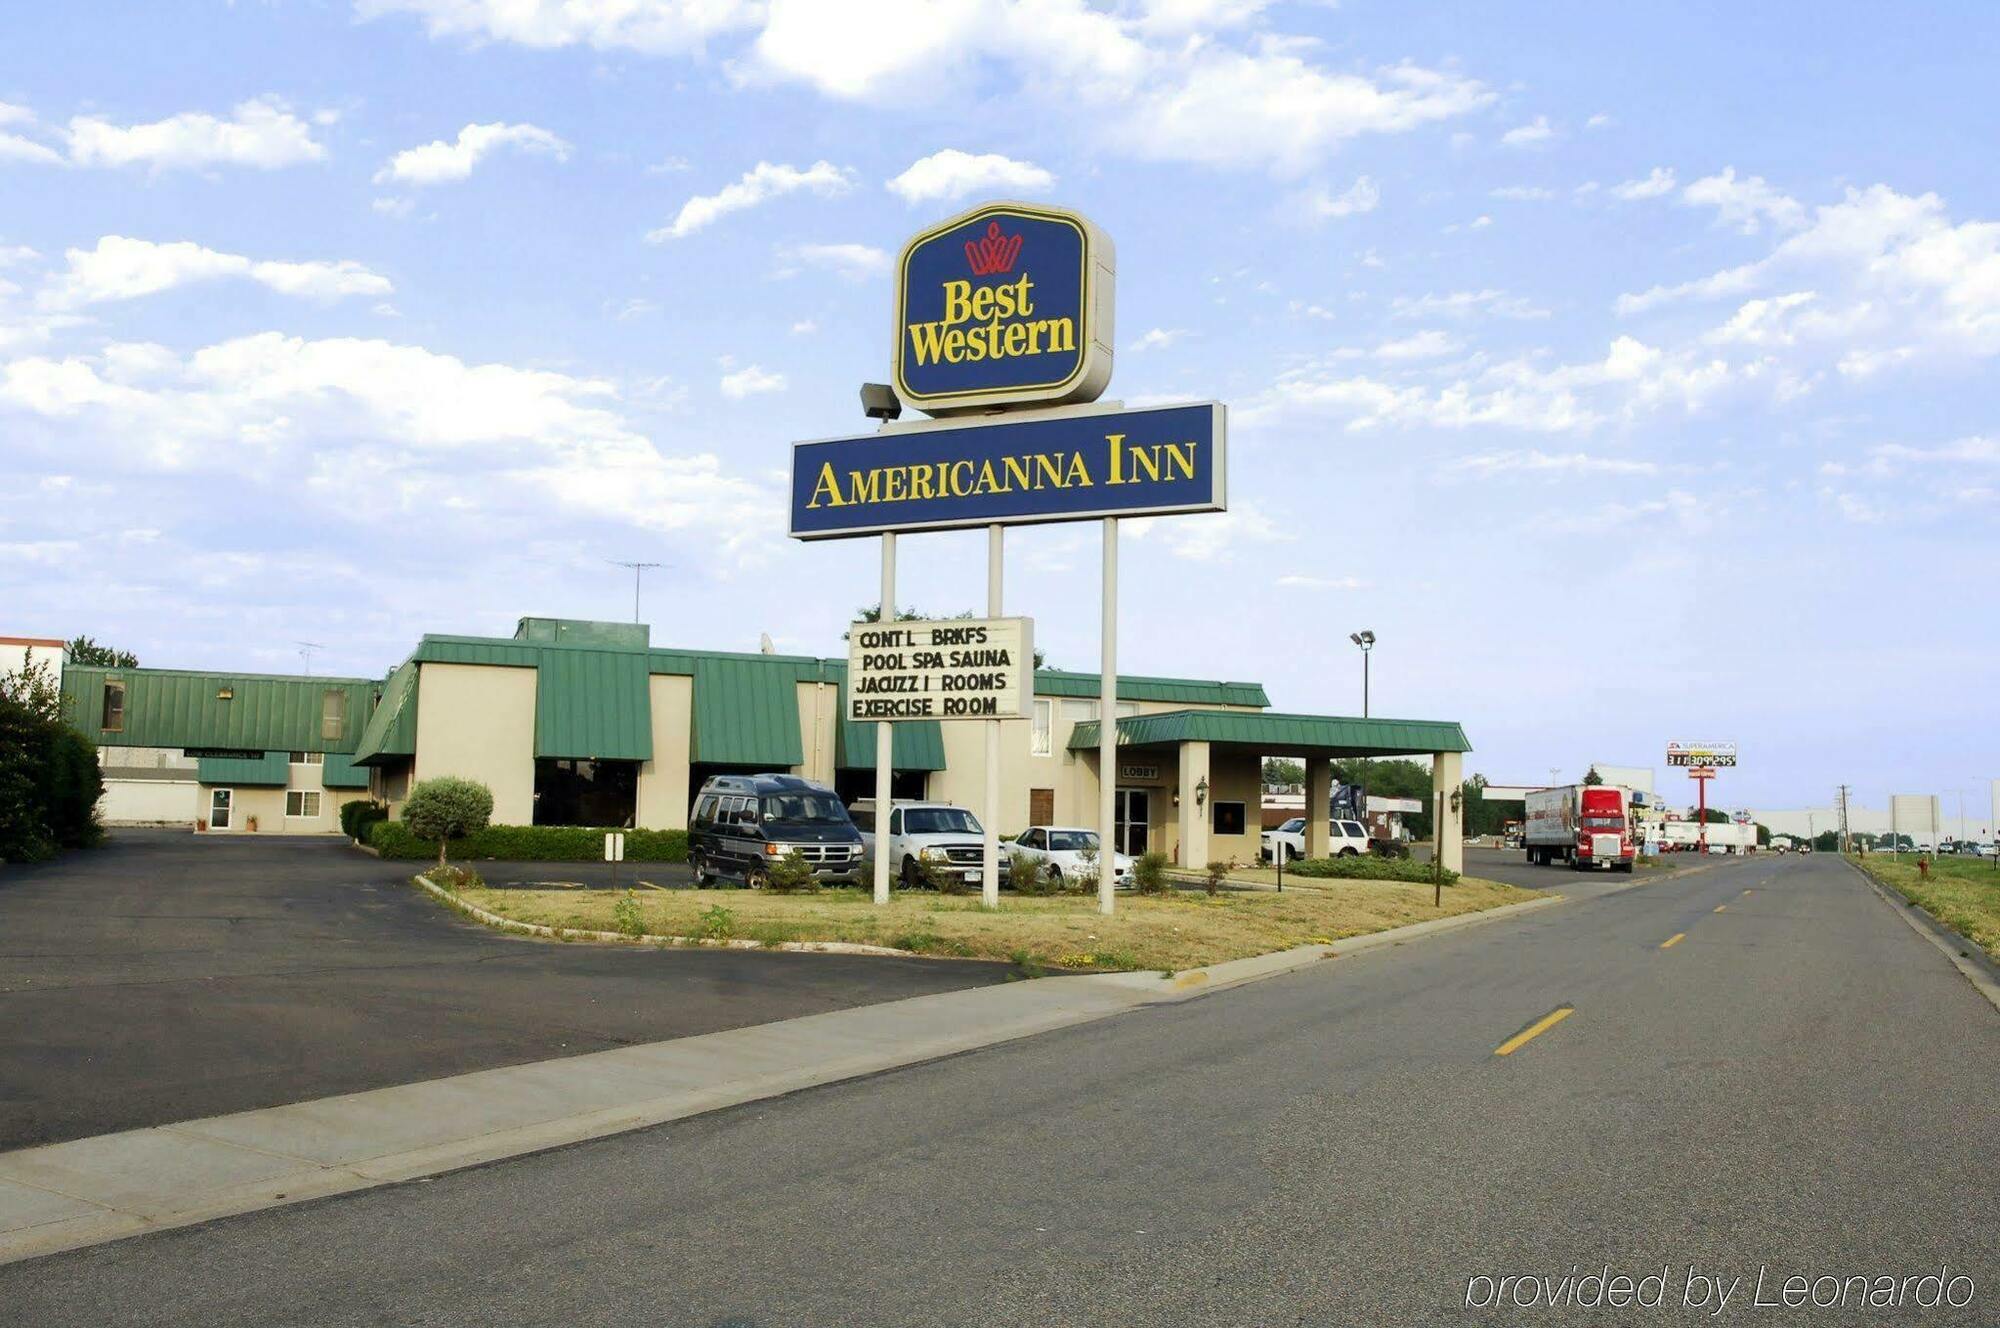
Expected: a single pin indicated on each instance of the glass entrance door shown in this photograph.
(1134, 810)
(220, 802)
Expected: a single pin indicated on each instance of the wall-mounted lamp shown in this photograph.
(1201, 792)
(1457, 800)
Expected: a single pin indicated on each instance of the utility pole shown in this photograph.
(638, 570)
(1845, 845)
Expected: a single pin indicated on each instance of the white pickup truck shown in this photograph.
(1345, 839)
(933, 834)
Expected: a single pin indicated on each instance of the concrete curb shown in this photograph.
(70, 1195)
(1926, 924)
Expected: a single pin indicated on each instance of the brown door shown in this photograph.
(1041, 806)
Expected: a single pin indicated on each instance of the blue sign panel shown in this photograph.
(1001, 305)
(1013, 472)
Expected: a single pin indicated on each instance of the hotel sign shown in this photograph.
(1006, 305)
(1709, 754)
(1056, 467)
(951, 668)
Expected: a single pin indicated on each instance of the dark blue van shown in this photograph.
(743, 823)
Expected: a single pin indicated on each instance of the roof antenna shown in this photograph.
(306, 649)
(638, 570)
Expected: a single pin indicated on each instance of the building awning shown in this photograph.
(594, 704)
(746, 712)
(918, 744)
(272, 770)
(391, 730)
(340, 771)
(1283, 735)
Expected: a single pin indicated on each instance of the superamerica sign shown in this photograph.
(1006, 304)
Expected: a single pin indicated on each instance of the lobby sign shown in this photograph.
(949, 668)
(1701, 753)
(1009, 304)
(1072, 466)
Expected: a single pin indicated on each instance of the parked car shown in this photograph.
(744, 823)
(1345, 839)
(936, 833)
(1060, 851)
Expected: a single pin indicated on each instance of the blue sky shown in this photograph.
(1626, 373)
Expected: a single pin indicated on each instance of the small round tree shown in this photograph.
(448, 808)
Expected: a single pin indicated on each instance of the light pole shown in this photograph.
(1366, 641)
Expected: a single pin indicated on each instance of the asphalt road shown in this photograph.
(164, 978)
(1799, 1084)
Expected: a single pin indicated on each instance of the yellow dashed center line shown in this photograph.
(1534, 1030)
(1673, 940)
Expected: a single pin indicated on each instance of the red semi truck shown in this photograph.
(1584, 825)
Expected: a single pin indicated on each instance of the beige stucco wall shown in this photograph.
(268, 805)
(663, 781)
(819, 707)
(477, 721)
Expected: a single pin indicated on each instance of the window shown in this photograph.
(308, 758)
(333, 714)
(1227, 818)
(302, 802)
(1044, 742)
(1032, 839)
(704, 811)
(582, 792)
(941, 821)
(114, 707)
(807, 809)
(1072, 841)
(1293, 826)
(1354, 828)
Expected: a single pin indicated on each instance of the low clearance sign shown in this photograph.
(1008, 304)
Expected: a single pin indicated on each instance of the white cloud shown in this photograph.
(1658, 181)
(951, 174)
(759, 184)
(1535, 461)
(1532, 134)
(1425, 345)
(1466, 304)
(15, 148)
(1762, 322)
(652, 26)
(119, 268)
(393, 207)
(805, 327)
(1599, 121)
(1523, 193)
(1217, 537)
(262, 133)
(12, 114)
(853, 261)
(1361, 196)
(439, 161)
(1158, 338)
(1745, 203)
(750, 381)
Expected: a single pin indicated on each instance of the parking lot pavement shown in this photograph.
(166, 977)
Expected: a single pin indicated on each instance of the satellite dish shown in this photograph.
(764, 645)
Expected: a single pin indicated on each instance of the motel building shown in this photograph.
(589, 723)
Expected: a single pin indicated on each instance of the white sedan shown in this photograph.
(1060, 850)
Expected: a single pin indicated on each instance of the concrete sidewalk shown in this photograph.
(67, 1195)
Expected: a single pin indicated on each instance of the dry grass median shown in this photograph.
(1176, 931)
(1963, 894)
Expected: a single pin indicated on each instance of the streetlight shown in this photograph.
(1366, 641)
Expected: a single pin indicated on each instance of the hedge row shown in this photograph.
(529, 843)
(1367, 869)
(49, 778)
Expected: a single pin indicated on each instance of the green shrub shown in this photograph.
(50, 782)
(1025, 875)
(1368, 869)
(790, 874)
(1217, 873)
(357, 815)
(1149, 873)
(625, 916)
(455, 878)
(533, 843)
(717, 923)
(938, 874)
(448, 808)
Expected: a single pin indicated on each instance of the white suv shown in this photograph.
(1345, 839)
(934, 834)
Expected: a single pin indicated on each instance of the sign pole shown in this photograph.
(1701, 814)
(1107, 729)
(989, 877)
(885, 734)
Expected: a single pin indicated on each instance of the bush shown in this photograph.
(626, 917)
(790, 874)
(532, 843)
(356, 816)
(1368, 869)
(455, 878)
(50, 782)
(1217, 873)
(1026, 877)
(1149, 873)
(448, 808)
(717, 923)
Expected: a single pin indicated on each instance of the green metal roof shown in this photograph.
(917, 744)
(272, 769)
(596, 704)
(391, 730)
(184, 708)
(583, 632)
(341, 771)
(746, 713)
(1280, 735)
(1181, 691)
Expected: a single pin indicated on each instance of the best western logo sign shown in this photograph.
(1007, 304)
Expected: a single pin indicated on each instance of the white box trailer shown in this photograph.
(1583, 825)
